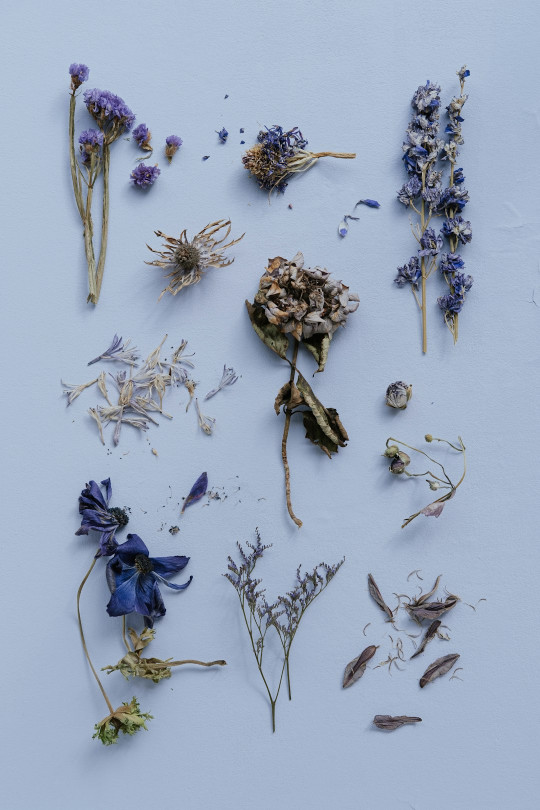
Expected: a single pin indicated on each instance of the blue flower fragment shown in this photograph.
(133, 578)
(343, 228)
(197, 491)
(222, 135)
(97, 516)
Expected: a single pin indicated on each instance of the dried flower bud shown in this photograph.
(404, 457)
(391, 451)
(428, 437)
(397, 466)
(398, 394)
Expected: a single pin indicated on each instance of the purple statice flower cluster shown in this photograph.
(79, 73)
(172, 145)
(452, 266)
(267, 161)
(142, 136)
(144, 176)
(110, 112)
(90, 143)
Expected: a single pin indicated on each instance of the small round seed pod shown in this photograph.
(398, 394)
(391, 451)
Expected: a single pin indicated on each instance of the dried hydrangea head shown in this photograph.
(279, 154)
(398, 394)
(185, 261)
(303, 301)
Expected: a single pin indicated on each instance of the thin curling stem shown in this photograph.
(288, 414)
(423, 266)
(85, 648)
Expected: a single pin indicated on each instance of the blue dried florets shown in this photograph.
(410, 273)
(110, 112)
(79, 73)
(145, 176)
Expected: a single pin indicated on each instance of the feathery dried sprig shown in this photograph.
(229, 377)
(187, 260)
(118, 351)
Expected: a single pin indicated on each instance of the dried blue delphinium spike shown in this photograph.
(187, 260)
(172, 145)
(278, 155)
(113, 118)
(142, 136)
(229, 377)
(197, 491)
(119, 352)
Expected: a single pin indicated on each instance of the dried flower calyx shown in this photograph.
(278, 155)
(308, 306)
(185, 261)
(398, 395)
(127, 719)
(400, 460)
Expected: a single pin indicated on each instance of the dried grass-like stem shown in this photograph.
(288, 414)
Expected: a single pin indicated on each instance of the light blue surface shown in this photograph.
(344, 73)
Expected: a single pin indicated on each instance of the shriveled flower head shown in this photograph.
(110, 112)
(144, 176)
(127, 719)
(79, 73)
(398, 394)
(172, 145)
(303, 301)
(142, 136)
(186, 261)
(96, 515)
(90, 142)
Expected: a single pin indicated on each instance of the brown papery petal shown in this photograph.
(356, 668)
(439, 667)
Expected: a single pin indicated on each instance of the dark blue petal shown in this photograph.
(91, 497)
(177, 587)
(131, 548)
(124, 598)
(167, 566)
(108, 489)
(197, 490)
(156, 606)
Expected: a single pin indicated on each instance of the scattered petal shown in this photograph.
(439, 667)
(197, 491)
(389, 723)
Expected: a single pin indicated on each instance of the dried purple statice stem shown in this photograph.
(288, 414)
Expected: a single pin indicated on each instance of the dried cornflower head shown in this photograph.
(398, 394)
(303, 301)
(279, 154)
(186, 260)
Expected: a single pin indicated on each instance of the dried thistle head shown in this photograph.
(186, 260)
(303, 301)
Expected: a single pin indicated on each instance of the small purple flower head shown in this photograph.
(145, 176)
(142, 136)
(79, 74)
(133, 578)
(451, 263)
(90, 142)
(110, 112)
(461, 283)
(222, 135)
(97, 516)
(430, 242)
(172, 145)
(410, 190)
(410, 273)
(450, 303)
(458, 227)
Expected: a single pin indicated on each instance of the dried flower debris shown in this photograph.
(185, 261)
(343, 227)
(389, 723)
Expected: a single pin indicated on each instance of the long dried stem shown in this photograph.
(85, 648)
(104, 224)
(288, 414)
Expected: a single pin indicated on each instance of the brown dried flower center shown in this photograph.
(187, 257)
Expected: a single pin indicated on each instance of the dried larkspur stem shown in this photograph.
(186, 260)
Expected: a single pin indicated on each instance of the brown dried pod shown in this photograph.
(389, 723)
(439, 667)
(356, 668)
(432, 610)
(377, 596)
(431, 632)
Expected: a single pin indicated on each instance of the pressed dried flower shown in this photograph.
(142, 136)
(377, 597)
(172, 145)
(144, 176)
(278, 155)
(398, 394)
(186, 260)
(229, 377)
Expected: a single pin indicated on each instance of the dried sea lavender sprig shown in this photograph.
(399, 461)
(113, 118)
(278, 155)
(306, 305)
(187, 260)
(284, 614)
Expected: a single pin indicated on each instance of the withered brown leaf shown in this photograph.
(268, 333)
(431, 632)
(439, 667)
(323, 425)
(288, 395)
(377, 596)
(356, 668)
(389, 723)
(319, 344)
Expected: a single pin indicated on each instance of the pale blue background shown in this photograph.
(344, 72)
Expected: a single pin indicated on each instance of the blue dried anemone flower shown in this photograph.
(110, 112)
(133, 578)
(145, 176)
(279, 154)
(99, 517)
(79, 73)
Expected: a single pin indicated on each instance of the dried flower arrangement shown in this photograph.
(400, 460)
(278, 155)
(307, 305)
(422, 151)
(113, 119)
(186, 260)
(284, 614)
(133, 578)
